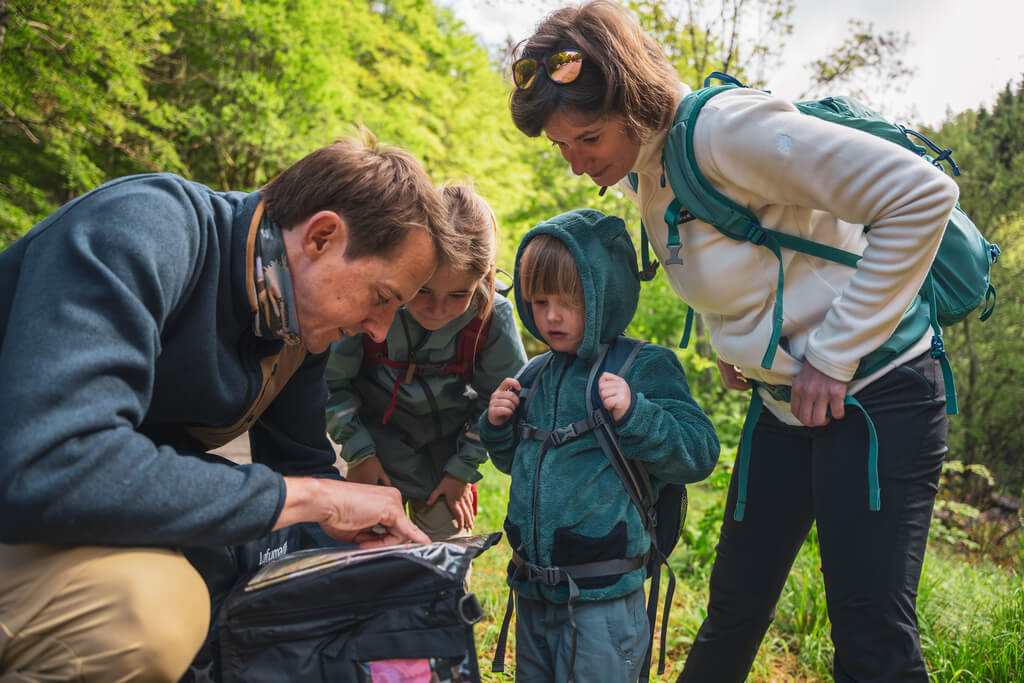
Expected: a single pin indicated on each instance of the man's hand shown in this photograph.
(369, 471)
(615, 394)
(814, 393)
(349, 512)
(731, 377)
(504, 402)
(459, 497)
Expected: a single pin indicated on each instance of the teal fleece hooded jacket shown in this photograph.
(570, 507)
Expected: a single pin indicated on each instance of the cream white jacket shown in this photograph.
(823, 182)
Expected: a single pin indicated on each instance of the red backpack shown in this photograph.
(468, 343)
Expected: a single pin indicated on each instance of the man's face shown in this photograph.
(335, 296)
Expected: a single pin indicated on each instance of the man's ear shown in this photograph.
(322, 232)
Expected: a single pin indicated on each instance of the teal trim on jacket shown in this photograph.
(124, 320)
(426, 435)
(570, 507)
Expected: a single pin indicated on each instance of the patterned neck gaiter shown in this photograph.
(275, 301)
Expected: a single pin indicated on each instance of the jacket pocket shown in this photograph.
(571, 548)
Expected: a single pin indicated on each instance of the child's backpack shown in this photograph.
(382, 614)
(957, 283)
(663, 511)
(468, 343)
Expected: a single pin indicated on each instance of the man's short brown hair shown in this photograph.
(381, 192)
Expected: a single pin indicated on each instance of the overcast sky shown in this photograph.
(965, 51)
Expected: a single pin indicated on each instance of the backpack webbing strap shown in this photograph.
(938, 350)
(638, 487)
(554, 576)
(469, 341)
(782, 393)
(563, 434)
(652, 613)
(639, 490)
(647, 267)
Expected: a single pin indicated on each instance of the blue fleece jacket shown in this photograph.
(126, 351)
(570, 507)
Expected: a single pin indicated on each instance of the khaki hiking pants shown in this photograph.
(98, 614)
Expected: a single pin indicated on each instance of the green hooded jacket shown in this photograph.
(570, 507)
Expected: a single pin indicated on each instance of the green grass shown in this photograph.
(971, 615)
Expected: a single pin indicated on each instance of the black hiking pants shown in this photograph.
(871, 561)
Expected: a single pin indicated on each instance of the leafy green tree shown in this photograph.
(989, 147)
(74, 108)
(866, 65)
(744, 38)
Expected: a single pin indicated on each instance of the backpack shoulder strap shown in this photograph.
(528, 378)
(373, 352)
(616, 358)
(470, 340)
(701, 200)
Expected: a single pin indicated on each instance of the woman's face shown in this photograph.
(602, 148)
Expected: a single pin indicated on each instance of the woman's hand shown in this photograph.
(814, 394)
(504, 402)
(369, 471)
(459, 497)
(731, 377)
(615, 394)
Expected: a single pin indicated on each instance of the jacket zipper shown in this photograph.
(540, 460)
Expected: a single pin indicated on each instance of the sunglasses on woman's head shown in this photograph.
(562, 67)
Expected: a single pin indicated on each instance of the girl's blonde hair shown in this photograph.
(477, 228)
(624, 71)
(547, 267)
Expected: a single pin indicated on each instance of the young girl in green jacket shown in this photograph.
(404, 409)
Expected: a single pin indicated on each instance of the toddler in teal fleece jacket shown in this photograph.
(576, 289)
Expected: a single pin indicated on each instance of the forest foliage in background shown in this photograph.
(228, 93)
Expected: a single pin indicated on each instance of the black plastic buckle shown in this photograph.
(528, 432)
(549, 576)
(560, 436)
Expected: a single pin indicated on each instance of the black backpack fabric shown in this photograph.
(351, 615)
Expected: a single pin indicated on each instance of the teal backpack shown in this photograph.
(957, 283)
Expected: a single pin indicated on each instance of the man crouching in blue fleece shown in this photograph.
(580, 544)
(152, 320)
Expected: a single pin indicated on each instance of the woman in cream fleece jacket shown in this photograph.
(602, 91)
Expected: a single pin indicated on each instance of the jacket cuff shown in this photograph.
(358, 447)
(629, 411)
(489, 433)
(462, 471)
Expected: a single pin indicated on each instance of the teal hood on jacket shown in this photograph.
(606, 261)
